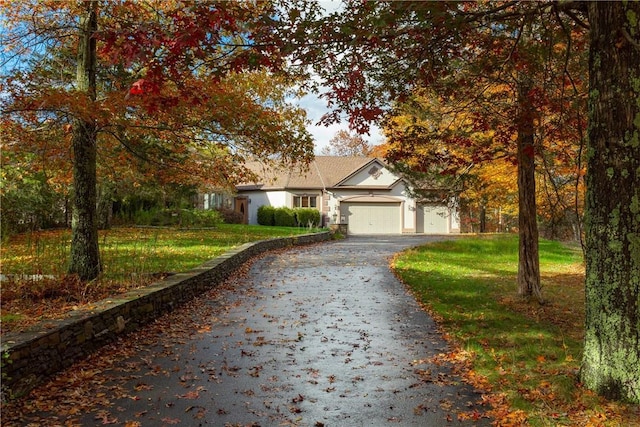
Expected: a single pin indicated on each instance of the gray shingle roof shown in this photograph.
(323, 172)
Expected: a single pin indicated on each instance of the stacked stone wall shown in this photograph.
(30, 357)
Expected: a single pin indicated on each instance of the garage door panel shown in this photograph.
(432, 219)
(374, 218)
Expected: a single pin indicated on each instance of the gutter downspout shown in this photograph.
(324, 190)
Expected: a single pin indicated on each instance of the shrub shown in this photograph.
(146, 217)
(284, 217)
(28, 202)
(307, 217)
(230, 216)
(205, 218)
(266, 215)
(178, 217)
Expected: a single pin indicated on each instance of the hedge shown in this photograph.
(307, 217)
(266, 215)
(286, 217)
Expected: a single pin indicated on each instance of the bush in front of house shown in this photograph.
(307, 217)
(284, 217)
(178, 218)
(204, 218)
(266, 215)
(230, 216)
(287, 217)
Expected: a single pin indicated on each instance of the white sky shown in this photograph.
(317, 107)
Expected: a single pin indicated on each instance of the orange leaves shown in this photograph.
(204, 329)
(191, 395)
(171, 125)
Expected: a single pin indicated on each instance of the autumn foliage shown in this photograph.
(171, 87)
(344, 143)
(162, 93)
(184, 93)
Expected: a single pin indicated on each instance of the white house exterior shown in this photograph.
(360, 193)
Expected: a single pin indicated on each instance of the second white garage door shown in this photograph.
(432, 219)
(373, 218)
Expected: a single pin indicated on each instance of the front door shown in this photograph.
(242, 209)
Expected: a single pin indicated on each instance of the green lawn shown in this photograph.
(131, 258)
(527, 355)
(130, 251)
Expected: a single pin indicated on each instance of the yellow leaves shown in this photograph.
(514, 418)
(496, 186)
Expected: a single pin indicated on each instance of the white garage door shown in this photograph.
(373, 218)
(432, 219)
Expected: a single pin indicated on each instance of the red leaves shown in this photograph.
(181, 37)
(137, 88)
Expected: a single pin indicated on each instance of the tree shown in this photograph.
(85, 256)
(345, 144)
(428, 134)
(159, 85)
(453, 49)
(611, 358)
(376, 52)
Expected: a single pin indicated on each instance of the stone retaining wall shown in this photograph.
(28, 358)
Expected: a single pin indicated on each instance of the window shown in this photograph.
(304, 201)
(215, 201)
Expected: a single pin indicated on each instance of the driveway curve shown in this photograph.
(321, 335)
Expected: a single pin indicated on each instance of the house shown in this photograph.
(360, 194)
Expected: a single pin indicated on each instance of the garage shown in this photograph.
(373, 218)
(432, 218)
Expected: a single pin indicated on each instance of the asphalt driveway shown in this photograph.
(322, 335)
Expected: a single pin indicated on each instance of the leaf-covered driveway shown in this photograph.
(311, 336)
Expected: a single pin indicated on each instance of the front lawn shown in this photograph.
(525, 354)
(131, 257)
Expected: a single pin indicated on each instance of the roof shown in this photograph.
(323, 172)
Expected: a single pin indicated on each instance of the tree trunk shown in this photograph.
(611, 358)
(106, 192)
(528, 261)
(483, 218)
(85, 256)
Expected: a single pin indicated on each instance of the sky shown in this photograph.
(317, 107)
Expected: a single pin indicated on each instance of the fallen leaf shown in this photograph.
(189, 395)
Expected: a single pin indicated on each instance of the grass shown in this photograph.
(528, 355)
(131, 257)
